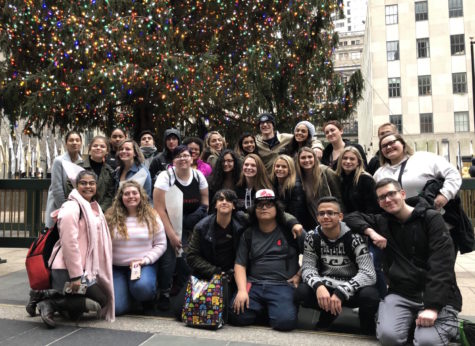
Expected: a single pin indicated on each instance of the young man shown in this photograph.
(383, 129)
(270, 142)
(171, 139)
(147, 146)
(419, 263)
(337, 270)
(266, 268)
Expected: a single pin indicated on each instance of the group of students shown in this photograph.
(274, 197)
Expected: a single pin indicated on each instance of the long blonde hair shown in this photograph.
(359, 171)
(261, 180)
(316, 174)
(117, 213)
(289, 181)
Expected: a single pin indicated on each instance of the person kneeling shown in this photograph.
(138, 241)
(337, 270)
(269, 252)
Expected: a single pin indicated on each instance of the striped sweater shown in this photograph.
(335, 269)
(139, 245)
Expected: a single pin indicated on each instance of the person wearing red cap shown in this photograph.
(266, 267)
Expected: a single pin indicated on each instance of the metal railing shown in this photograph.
(23, 203)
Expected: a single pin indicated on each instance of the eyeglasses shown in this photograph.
(183, 157)
(390, 195)
(265, 204)
(86, 183)
(330, 213)
(388, 144)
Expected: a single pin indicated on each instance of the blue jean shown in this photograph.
(168, 265)
(276, 299)
(126, 291)
(376, 255)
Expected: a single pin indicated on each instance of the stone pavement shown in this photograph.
(17, 328)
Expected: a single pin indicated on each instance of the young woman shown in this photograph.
(333, 133)
(58, 190)
(417, 168)
(194, 189)
(83, 257)
(138, 239)
(131, 166)
(116, 137)
(253, 178)
(195, 145)
(288, 187)
(214, 144)
(357, 186)
(304, 132)
(96, 162)
(226, 173)
(318, 181)
(171, 139)
(246, 145)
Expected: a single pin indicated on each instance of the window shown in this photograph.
(459, 82)
(424, 85)
(394, 87)
(396, 119)
(348, 12)
(391, 14)
(423, 50)
(457, 44)
(426, 123)
(455, 8)
(421, 10)
(392, 48)
(349, 27)
(461, 122)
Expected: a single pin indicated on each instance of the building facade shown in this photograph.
(418, 74)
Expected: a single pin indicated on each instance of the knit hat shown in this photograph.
(310, 127)
(263, 117)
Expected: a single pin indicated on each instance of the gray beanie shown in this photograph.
(310, 127)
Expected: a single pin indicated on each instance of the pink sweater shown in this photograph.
(139, 245)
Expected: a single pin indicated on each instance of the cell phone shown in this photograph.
(135, 271)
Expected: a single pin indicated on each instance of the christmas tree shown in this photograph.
(154, 64)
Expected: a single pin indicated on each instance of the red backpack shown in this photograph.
(37, 258)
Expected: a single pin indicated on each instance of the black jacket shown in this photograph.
(373, 164)
(419, 258)
(327, 154)
(294, 202)
(361, 197)
(201, 251)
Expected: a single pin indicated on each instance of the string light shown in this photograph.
(75, 63)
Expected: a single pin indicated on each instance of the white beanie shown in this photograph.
(310, 127)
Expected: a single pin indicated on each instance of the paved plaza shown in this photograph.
(17, 328)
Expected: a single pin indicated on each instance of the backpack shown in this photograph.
(37, 258)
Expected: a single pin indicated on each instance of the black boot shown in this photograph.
(46, 308)
(36, 296)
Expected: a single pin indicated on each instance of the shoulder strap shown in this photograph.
(401, 171)
(317, 247)
(348, 245)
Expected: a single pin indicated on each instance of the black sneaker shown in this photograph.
(163, 303)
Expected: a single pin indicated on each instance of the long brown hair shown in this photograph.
(316, 174)
(261, 180)
(117, 213)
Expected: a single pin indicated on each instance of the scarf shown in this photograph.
(99, 251)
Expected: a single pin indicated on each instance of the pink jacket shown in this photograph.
(85, 245)
(203, 167)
